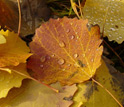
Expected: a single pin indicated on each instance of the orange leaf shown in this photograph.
(65, 51)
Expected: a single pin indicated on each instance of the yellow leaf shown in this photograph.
(14, 51)
(89, 94)
(110, 12)
(33, 94)
(8, 81)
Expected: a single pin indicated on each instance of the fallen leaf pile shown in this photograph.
(64, 54)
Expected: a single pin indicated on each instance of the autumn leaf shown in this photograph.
(9, 18)
(36, 95)
(13, 55)
(13, 50)
(109, 13)
(65, 50)
(10, 80)
(90, 94)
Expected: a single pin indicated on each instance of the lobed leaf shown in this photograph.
(65, 50)
(14, 51)
(10, 80)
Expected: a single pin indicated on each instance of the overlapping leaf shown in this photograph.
(90, 94)
(36, 95)
(13, 51)
(109, 12)
(10, 80)
(65, 50)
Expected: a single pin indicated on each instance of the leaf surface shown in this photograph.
(13, 51)
(9, 18)
(33, 94)
(110, 13)
(89, 94)
(65, 51)
(10, 80)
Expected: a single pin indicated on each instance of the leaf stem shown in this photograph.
(107, 91)
(20, 18)
(121, 61)
(29, 77)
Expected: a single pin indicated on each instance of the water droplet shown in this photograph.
(117, 38)
(52, 55)
(62, 44)
(72, 37)
(111, 19)
(61, 61)
(77, 37)
(109, 35)
(92, 60)
(120, 37)
(67, 30)
(76, 33)
(63, 69)
(69, 65)
(41, 66)
(42, 59)
(75, 55)
(97, 49)
(112, 29)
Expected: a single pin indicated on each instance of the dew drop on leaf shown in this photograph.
(42, 59)
(63, 69)
(112, 29)
(75, 55)
(62, 44)
(61, 61)
(67, 30)
(52, 55)
(120, 37)
(109, 35)
(72, 37)
(92, 60)
(69, 65)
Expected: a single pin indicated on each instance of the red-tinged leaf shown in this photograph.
(65, 51)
